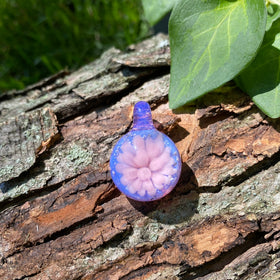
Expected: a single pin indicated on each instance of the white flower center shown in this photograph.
(144, 173)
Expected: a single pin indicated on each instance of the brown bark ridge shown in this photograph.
(61, 217)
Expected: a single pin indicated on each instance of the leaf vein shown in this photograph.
(207, 49)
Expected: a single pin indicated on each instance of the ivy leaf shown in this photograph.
(261, 79)
(273, 13)
(155, 10)
(211, 42)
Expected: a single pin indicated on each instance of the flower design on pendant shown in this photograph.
(145, 165)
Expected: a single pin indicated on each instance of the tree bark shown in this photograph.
(61, 217)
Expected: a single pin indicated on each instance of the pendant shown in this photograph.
(145, 163)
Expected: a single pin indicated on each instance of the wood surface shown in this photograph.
(61, 217)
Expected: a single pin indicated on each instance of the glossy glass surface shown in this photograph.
(145, 163)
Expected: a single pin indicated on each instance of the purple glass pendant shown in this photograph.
(145, 163)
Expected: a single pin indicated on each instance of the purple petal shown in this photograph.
(130, 173)
(142, 192)
(136, 185)
(126, 181)
(149, 187)
(126, 158)
(128, 148)
(139, 143)
(154, 147)
(141, 159)
(120, 167)
(167, 170)
(159, 180)
(131, 189)
(159, 162)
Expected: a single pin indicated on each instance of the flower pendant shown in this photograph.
(145, 163)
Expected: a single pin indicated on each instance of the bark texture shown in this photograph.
(61, 217)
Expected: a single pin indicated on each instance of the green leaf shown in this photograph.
(273, 13)
(155, 10)
(261, 79)
(211, 42)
